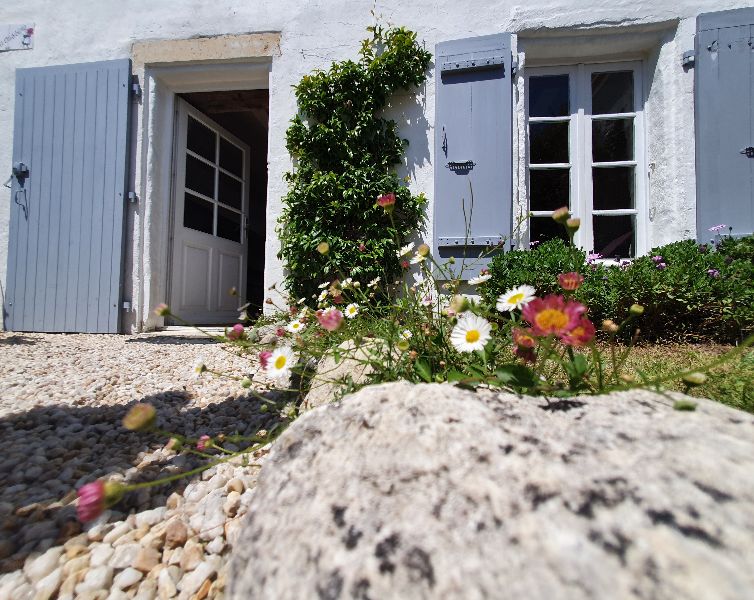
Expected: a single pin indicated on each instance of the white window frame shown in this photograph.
(580, 148)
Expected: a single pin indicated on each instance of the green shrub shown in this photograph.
(689, 291)
(345, 155)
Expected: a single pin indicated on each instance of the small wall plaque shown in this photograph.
(16, 37)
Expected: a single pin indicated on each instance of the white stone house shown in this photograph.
(145, 149)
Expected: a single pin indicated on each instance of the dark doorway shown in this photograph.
(245, 114)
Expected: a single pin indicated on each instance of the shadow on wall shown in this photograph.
(50, 451)
(409, 109)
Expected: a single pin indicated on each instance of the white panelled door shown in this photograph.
(209, 232)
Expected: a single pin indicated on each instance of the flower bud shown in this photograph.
(174, 444)
(694, 379)
(609, 326)
(323, 248)
(459, 303)
(246, 383)
(423, 250)
(561, 215)
(403, 345)
(636, 310)
(141, 417)
(573, 224)
(162, 310)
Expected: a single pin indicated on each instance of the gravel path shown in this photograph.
(62, 398)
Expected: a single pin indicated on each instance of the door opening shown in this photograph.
(220, 202)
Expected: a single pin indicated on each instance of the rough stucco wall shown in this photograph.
(316, 32)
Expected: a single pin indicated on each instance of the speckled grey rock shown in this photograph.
(428, 491)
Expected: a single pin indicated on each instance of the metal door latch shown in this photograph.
(748, 151)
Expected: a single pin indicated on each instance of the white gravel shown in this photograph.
(62, 398)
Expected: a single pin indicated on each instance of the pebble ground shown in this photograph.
(62, 398)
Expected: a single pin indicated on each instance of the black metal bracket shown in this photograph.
(20, 170)
(748, 151)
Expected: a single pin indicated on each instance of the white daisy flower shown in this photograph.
(346, 283)
(322, 296)
(406, 334)
(324, 285)
(480, 279)
(417, 258)
(374, 282)
(199, 368)
(295, 326)
(405, 250)
(280, 363)
(471, 332)
(516, 298)
(351, 310)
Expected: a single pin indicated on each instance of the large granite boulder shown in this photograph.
(428, 491)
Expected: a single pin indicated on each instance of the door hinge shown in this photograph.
(135, 88)
(688, 59)
(514, 68)
(133, 198)
(127, 305)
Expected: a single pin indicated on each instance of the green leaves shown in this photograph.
(346, 153)
(422, 368)
(516, 375)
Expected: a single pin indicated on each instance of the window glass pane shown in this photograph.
(228, 224)
(548, 143)
(549, 189)
(197, 214)
(200, 139)
(231, 191)
(613, 187)
(548, 96)
(200, 177)
(231, 157)
(542, 229)
(612, 92)
(614, 236)
(612, 139)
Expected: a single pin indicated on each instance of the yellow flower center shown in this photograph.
(472, 336)
(551, 319)
(515, 298)
(280, 362)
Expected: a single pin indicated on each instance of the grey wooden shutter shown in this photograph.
(473, 148)
(66, 218)
(724, 110)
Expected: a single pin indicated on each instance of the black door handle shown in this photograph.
(748, 151)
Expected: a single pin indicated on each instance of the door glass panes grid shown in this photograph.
(214, 183)
(582, 154)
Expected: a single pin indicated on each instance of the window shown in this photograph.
(214, 183)
(585, 127)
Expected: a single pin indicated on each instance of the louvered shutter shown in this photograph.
(724, 107)
(66, 218)
(473, 148)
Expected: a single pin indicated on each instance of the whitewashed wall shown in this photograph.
(317, 32)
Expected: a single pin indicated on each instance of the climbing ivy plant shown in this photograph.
(346, 153)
